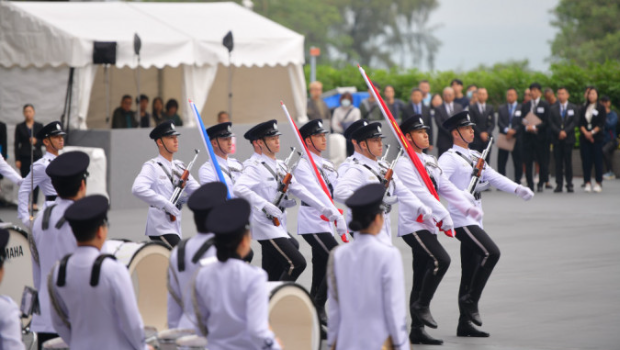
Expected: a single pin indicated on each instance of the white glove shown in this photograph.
(524, 193)
(425, 211)
(288, 203)
(482, 186)
(272, 210)
(447, 224)
(469, 196)
(341, 225)
(390, 200)
(172, 209)
(474, 213)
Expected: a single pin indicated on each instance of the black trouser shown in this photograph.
(430, 263)
(592, 153)
(502, 160)
(171, 239)
(25, 170)
(534, 150)
(608, 153)
(563, 157)
(43, 337)
(281, 259)
(479, 255)
(322, 244)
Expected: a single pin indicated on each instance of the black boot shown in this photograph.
(423, 314)
(466, 329)
(469, 308)
(419, 336)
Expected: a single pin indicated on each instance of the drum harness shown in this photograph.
(62, 277)
(181, 265)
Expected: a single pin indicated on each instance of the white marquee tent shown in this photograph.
(182, 57)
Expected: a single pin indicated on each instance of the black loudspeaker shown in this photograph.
(104, 52)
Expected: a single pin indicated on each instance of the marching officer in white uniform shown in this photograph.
(259, 185)
(249, 135)
(366, 282)
(430, 259)
(366, 170)
(221, 140)
(94, 305)
(156, 183)
(53, 139)
(231, 297)
(185, 257)
(52, 235)
(10, 323)
(479, 254)
(317, 232)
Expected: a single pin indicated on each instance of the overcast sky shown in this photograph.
(477, 32)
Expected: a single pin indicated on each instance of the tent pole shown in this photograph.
(138, 95)
(67, 109)
(230, 94)
(107, 93)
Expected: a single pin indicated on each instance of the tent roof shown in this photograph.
(56, 34)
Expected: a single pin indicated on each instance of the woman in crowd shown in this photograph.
(436, 101)
(24, 140)
(345, 114)
(591, 127)
(172, 107)
(157, 111)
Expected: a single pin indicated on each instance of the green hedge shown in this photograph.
(497, 79)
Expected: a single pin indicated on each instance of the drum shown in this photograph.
(293, 316)
(148, 266)
(167, 339)
(18, 266)
(191, 342)
(56, 343)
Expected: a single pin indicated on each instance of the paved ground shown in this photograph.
(553, 288)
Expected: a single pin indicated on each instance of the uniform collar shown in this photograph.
(271, 162)
(221, 160)
(50, 156)
(365, 238)
(60, 200)
(357, 155)
(161, 158)
(365, 160)
(461, 149)
(87, 250)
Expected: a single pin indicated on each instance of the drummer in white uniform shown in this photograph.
(7, 171)
(367, 170)
(259, 185)
(430, 259)
(317, 232)
(231, 297)
(185, 257)
(366, 281)
(10, 324)
(156, 183)
(52, 236)
(53, 139)
(221, 140)
(479, 254)
(94, 305)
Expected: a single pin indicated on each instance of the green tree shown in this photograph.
(589, 31)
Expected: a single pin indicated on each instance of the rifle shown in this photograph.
(33, 246)
(387, 178)
(387, 150)
(477, 170)
(284, 183)
(180, 187)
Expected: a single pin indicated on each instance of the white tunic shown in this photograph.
(409, 176)
(231, 168)
(183, 316)
(458, 171)
(309, 219)
(258, 186)
(101, 317)
(367, 302)
(232, 298)
(41, 180)
(10, 325)
(357, 175)
(153, 186)
(52, 244)
(7, 171)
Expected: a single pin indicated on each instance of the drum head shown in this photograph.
(18, 266)
(293, 317)
(56, 343)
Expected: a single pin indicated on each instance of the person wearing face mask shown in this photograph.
(345, 115)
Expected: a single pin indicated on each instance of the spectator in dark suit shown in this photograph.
(459, 98)
(447, 109)
(484, 117)
(145, 117)
(550, 96)
(124, 117)
(509, 124)
(527, 96)
(396, 106)
(610, 143)
(416, 106)
(535, 138)
(24, 140)
(316, 108)
(562, 118)
(592, 126)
